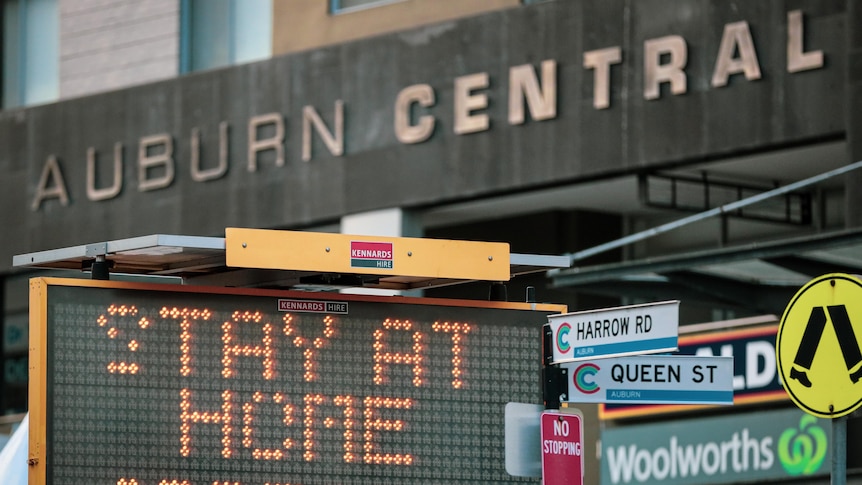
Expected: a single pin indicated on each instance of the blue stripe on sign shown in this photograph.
(656, 344)
(668, 396)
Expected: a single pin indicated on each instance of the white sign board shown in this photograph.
(523, 456)
(614, 332)
(655, 379)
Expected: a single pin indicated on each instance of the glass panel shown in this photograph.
(339, 5)
(252, 33)
(210, 31)
(225, 32)
(41, 52)
(11, 34)
(30, 52)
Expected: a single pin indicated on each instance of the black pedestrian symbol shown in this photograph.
(811, 340)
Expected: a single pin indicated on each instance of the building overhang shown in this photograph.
(760, 276)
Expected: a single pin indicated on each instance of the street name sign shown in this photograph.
(523, 454)
(655, 379)
(819, 346)
(650, 328)
(562, 436)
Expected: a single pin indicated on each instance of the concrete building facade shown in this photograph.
(556, 126)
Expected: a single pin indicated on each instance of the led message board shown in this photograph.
(169, 385)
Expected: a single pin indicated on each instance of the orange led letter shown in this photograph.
(374, 423)
(349, 425)
(122, 367)
(311, 400)
(231, 350)
(187, 417)
(185, 316)
(248, 429)
(312, 346)
(381, 357)
(457, 330)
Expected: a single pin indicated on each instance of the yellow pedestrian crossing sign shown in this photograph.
(819, 346)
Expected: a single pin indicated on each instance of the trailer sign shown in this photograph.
(138, 384)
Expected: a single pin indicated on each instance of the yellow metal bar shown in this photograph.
(38, 365)
(372, 255)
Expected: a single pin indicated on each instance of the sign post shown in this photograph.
(562, 435)
(819, 354)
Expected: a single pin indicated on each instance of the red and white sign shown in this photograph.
(368, 254)
(562, 437)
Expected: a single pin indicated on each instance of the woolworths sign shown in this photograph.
(727, 449)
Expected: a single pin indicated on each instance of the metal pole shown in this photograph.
(710, 213)
(839, 451)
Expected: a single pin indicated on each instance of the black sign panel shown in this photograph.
(152, 385)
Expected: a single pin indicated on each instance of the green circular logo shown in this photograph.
(802, 451)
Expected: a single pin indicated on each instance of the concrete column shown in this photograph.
(394, 222)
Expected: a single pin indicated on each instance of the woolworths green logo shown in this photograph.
(801, 451)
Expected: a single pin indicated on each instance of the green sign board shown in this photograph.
(726, 449)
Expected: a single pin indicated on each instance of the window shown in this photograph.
(338, 6)
(30, 68)
(218, 33)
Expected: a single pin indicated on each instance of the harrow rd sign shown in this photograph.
(628, 330)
